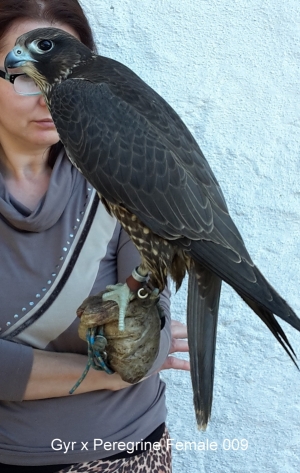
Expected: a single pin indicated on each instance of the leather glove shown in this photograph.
(131, 352)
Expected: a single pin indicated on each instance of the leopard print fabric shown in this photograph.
(150, 461)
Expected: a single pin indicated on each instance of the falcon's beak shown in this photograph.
(17, 57)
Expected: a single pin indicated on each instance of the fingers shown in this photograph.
(179, 346)
(178, 329)
(176, 364)
(178, 334)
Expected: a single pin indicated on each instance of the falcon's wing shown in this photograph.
(139, 154)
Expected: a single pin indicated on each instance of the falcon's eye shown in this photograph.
(45, 45)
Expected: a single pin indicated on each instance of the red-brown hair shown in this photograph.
(53, 11)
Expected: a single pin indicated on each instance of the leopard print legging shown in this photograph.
(150, 461)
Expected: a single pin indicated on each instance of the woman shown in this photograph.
(58, 245)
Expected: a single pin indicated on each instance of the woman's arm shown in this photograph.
(28, 374)
(54, 374)
(15, 367)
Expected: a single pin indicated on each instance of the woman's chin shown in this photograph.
(45, 136)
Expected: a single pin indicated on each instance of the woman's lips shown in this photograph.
(47, 123)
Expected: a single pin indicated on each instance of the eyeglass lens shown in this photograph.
(24, 85)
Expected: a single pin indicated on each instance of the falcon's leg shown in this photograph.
(122, 294)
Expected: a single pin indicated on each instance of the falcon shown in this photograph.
(152, 176)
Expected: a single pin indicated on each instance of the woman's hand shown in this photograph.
(179, 344)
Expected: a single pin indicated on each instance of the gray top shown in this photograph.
(51, 259)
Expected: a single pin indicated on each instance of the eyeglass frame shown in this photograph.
(11, 78)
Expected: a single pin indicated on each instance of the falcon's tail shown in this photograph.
(202, 317)
(252, 286)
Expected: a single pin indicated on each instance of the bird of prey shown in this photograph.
(151, 174)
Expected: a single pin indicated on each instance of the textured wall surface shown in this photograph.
(231, 71)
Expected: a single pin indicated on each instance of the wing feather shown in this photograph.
(131, 147)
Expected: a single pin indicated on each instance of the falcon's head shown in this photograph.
(48, 55)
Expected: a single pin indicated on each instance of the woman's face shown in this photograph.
(24, 120)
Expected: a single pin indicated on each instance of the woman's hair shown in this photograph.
(68, 12)
(52, 11)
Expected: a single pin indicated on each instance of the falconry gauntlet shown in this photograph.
(130, 352)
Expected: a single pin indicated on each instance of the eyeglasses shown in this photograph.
(23, 84)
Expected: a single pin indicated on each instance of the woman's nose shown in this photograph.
(42, 101)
